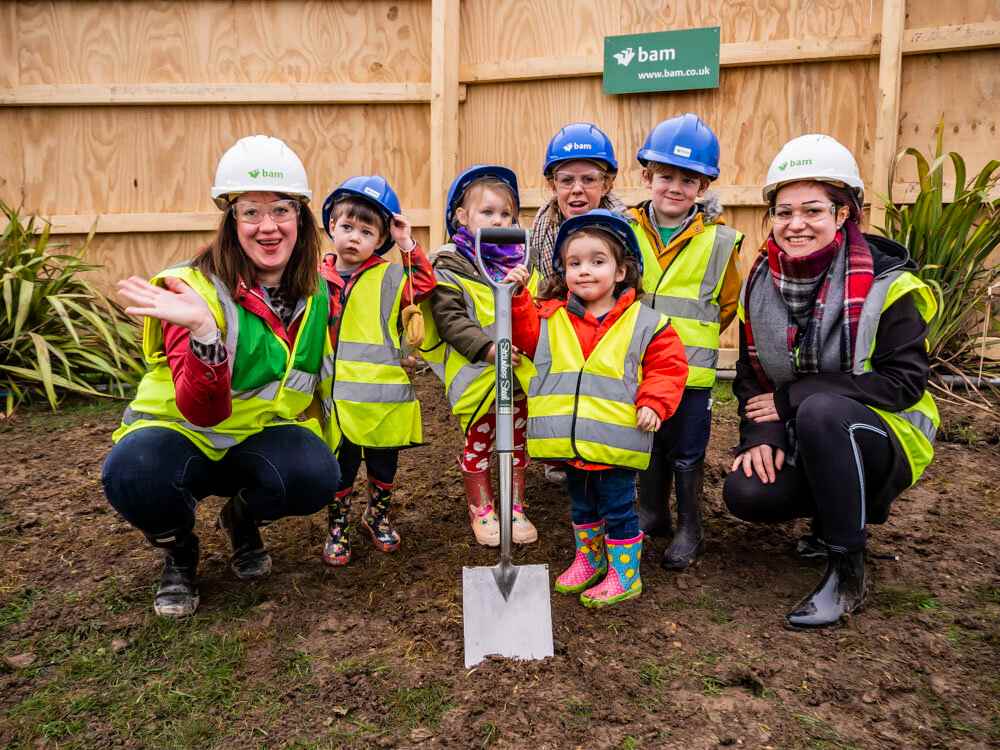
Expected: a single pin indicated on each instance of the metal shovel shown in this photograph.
(506, 608)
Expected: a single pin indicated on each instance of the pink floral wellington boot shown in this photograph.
(623, 581)
(590, 563)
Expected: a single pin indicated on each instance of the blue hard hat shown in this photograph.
(579, 140)
(461, 183)
(685, 142)
(373, 189)
(613, 223)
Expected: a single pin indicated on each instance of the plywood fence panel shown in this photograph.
(11, 156)
(141, 159)
(928, 13)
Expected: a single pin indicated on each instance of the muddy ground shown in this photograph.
(371, 655)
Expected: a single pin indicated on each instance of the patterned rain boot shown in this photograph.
(482, 517)
(523, 531)
(590, 563)
(375, 519)
(623, 581)
(337, 549)
(249, 559)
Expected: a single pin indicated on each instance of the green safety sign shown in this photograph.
(662, 61)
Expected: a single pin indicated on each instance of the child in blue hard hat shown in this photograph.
(459, 345)
(609, 371)
(374, 411)
(691, 276)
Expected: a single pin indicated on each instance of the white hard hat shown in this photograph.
(259, 163)
(814, 157)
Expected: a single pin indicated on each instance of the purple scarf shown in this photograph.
(498, 259)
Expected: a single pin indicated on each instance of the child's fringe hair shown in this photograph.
(555, 286)
(497, 186)
(360, 210)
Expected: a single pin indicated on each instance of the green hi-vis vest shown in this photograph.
(585, 408)
(270, 384)
(374, 403)
(687, 291)
(916, 426)
(469, 386)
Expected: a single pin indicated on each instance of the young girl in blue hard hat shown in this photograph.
(609, 372)
(459, 346)
(690, 275)
(374, 410)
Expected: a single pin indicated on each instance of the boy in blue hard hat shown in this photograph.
(459, 344)
(374, 410)
(690, 275)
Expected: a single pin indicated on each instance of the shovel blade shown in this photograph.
(518, 626)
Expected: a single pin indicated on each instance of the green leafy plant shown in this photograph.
(58, 334)
(952, 243)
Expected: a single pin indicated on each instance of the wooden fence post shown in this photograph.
(444, 109)
(887, 113)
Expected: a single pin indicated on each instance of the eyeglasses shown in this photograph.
(588, 181)
(280, 211)
(811, 214)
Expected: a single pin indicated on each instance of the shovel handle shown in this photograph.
(500, 236)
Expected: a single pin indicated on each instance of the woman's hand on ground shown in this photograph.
(760, 408)
(178, 304)
(646, 419)
(762, 460)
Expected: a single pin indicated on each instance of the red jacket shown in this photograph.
(418, 285)
(664, 365)
(203, 391)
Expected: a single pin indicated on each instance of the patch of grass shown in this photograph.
(16, 608)
(367, 665)
(491, 734)
(72, 411)
(898, 600)
(579, 708)
(299, 664)
(629, 743)
(821, 735)
(712, 686)
(421, 706)
(722, 392)
(986, 594)
(653, 674)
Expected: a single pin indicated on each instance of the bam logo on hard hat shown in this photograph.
(572, 146)
(627, 55)
(794, 163)
(682, 151)
(255, 173)
(372, 192)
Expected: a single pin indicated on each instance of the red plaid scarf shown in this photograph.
(858, 280)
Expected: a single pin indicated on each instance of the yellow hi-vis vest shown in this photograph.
(469, 386)
(915, 427)
(687, 291)
(270, 384)
(585, 408)
(374, 403)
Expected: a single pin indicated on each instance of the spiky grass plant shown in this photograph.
(58, 334)
(952, 241)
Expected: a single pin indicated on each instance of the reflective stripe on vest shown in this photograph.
(687, 291)
(915, 427)
(276, 389)
(469, 385)
(374, 402)
(585, 409)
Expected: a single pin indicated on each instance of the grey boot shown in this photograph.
(249, 559)
(177, 595)
(687, 542)
(654, 497)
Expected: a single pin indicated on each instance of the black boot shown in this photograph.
(654, 497)
(686, 544)
(841, 591)
(177, 595)
(249, 559)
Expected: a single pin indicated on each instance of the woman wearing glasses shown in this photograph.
(237, 348)
(831, 380)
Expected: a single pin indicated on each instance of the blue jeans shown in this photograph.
(683, 438)
(607, 494)
(155, 477)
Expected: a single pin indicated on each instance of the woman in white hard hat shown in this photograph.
(237, 347)
(836, 420)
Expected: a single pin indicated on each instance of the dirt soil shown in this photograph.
(372, 654)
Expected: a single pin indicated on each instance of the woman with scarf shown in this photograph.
(459, 342)
(831, 380)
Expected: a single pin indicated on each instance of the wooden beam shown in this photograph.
(887, 106)
(192, 221)
(739, 54)
(730, 195)
(228, 93)
(444, 109)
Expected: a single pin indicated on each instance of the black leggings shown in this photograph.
(845, 457)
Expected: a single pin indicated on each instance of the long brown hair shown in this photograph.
(555, 286)
(224, 257)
